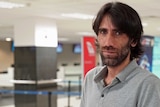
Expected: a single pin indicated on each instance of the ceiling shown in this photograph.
(73, 29)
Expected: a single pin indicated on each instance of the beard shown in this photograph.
(118, 58)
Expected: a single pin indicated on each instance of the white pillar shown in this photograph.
(33, 31)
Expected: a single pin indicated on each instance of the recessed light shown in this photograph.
(63, 39)
(77, 15)
(158, 28)
(144, 24)
(10, 5)
(8, 39)
(86, 33)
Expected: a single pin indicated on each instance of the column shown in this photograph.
(35, 42)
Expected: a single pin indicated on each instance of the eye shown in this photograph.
(118, 33)
(102, 31)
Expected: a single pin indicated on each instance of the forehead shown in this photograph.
(107, 22)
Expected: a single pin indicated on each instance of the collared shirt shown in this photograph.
(132, 87)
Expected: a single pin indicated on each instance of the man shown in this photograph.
(120, 82)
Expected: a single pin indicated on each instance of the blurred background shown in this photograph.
(73, 19)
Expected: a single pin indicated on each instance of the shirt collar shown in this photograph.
(101, 74)
(121, 76)
(127, 70)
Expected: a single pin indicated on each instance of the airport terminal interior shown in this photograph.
(43, 45)
(68, 70)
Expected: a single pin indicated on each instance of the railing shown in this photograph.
(68, 93)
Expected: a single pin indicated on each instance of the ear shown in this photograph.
(133, 43)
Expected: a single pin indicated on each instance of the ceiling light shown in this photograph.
(62, 39)
(158, 28)
(144, 24)
(8, 39)
(86, 33)
(10, 5)
(78, 16)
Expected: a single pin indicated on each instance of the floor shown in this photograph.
(62, 100)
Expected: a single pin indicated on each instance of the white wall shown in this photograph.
(6, 55)
(6, 78)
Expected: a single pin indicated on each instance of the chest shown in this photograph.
(119, 95)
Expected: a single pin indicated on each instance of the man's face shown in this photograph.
(114, 45)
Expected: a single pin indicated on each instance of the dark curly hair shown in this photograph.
(126, 19)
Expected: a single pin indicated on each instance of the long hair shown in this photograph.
(125, 19)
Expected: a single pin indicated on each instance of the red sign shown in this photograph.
(88, 53)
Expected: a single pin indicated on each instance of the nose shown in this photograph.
(108, 40)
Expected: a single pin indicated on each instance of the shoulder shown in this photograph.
(93, 72)
(149, 90)
(141, 77)
(152, 80)
(148, 78)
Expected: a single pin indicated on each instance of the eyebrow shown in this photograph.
(107, 29)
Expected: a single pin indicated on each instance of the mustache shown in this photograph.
(108, 48)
